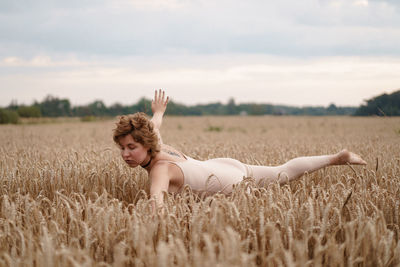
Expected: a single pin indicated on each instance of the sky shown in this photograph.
(301, 53)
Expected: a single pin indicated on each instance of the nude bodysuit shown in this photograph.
(213, 175)
(218, 175)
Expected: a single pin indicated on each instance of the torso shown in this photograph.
(210, 176)
(166, 155)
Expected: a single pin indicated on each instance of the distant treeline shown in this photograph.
(383, 105)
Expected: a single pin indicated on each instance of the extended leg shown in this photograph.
(295, 168)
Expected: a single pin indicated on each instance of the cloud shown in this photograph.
(247, 78)
(266, 50)
(41, 62)
(153, 4)
(156, 27)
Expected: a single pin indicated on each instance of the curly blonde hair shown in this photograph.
(140, 128)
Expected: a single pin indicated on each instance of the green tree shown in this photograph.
(55, 107)
(382, 105)
(144, 105)
(332, 109)
(231, 108)
(29, 112)
(97, 108)
(8, 116)
(13, 105)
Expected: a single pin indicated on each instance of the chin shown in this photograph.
(132, 165)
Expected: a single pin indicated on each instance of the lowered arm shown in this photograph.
(159, 183)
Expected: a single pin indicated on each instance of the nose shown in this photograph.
(124, 153)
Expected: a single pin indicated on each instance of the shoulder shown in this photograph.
(162, 163)
(171, 151)
(166, 170)
(161, 167)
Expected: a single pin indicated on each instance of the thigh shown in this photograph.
(263, 174)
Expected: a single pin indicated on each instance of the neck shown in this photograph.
(147, 164)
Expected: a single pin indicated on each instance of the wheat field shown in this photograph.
(68, 199)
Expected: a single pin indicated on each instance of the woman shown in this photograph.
(169, 170)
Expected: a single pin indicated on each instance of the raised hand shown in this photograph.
(159, 103)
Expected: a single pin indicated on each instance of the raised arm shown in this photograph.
(158, 106)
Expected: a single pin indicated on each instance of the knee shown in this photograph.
(284, 177)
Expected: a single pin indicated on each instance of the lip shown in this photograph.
(130, 162)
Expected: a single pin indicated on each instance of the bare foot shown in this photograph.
(345, 156)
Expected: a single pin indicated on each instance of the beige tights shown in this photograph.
(289, 171)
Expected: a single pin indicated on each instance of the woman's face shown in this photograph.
(132, 152)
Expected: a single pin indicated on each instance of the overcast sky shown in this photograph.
(308, 52)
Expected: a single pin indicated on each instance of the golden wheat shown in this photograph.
(67, 199)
